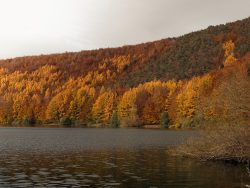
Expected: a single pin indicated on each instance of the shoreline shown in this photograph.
(94, 126)
(227, 144)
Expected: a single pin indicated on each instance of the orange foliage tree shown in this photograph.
(104, 106)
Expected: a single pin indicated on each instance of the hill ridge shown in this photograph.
(137, 82)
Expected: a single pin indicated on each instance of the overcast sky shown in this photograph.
(30, 27)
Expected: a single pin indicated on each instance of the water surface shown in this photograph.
(34, 157)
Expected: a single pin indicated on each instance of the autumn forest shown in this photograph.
(199, 79)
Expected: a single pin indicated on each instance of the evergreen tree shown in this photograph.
(164, 121)
(114, 122)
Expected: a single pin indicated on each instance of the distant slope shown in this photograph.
(178, 58)
(195, 53)
(79, 64)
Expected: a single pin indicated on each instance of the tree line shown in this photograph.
(40, 97)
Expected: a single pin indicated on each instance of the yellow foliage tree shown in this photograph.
(229, 53)
(80, 105)
(58, 106)
(230, 100)
(3, 113)
(103, 107)
(127, 109)
(190, 98)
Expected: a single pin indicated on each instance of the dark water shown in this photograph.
(105, 158)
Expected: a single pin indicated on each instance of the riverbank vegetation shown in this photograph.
(223, 143)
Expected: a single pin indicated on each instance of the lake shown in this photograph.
(47, 157)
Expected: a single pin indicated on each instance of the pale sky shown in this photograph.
(34, 27)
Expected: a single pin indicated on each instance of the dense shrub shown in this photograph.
(227, 143)
(29, 121)
(66, 121)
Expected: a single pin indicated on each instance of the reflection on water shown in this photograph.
(119, 165)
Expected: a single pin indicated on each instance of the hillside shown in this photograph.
(94, 86)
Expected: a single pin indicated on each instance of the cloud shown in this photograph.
(48, 26)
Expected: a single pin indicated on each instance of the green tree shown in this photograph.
(65, 121)
(114, 122)
(164, 121)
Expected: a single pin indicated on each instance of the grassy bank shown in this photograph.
(225, 143)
